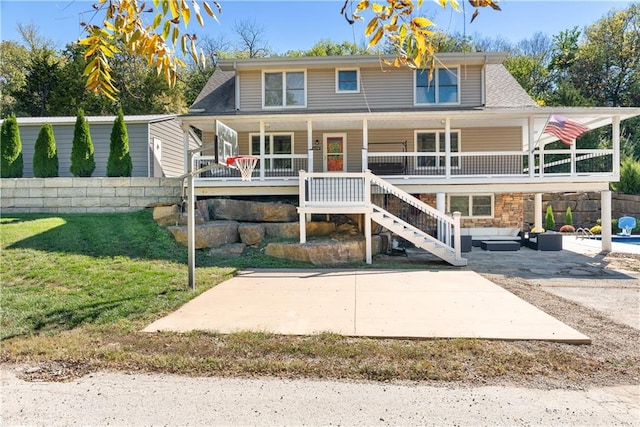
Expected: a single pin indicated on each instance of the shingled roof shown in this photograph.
(218, 95)
(503, 91)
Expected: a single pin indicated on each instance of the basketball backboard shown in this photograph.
(227, 142)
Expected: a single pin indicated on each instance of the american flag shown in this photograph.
(565, 129)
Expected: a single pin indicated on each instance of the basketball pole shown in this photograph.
(191, 232)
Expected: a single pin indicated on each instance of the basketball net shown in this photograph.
(245, 164)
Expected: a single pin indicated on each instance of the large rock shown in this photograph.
(250, 233)
(208, 235)
(249, 211)
(324, 252)
(166, 215)
(228, 250)
(203, 208)
(291, 230)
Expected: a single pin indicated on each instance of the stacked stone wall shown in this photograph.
(585, 207)
(86, 195)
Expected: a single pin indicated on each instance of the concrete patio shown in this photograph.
(369, 303)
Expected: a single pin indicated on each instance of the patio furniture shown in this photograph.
(549, 241)
(626, 224)
(500, 245)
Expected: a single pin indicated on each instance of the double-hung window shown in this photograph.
(433, 142)
(347, 81)
(443, 88)
(278, 150)
(284, 89)
(472, 205)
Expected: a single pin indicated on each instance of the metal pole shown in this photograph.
(191, 233)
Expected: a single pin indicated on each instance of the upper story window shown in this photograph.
(444, 87)
(284, 89)
(347, 81)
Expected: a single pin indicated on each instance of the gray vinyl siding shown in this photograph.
(491, 139)
(172, 155)
(100, 137)
(387, 89)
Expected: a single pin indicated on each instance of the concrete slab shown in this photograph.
(371, 303)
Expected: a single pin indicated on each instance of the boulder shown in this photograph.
(251, 233)
(166, 215)
(291, 230)
(208, 235)
(250, 211)
(324, 252)
(230, 249)
(203, 208)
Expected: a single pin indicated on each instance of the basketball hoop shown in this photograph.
(245, 164)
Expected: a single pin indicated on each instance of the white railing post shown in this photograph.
(302, 203)
(447, 147)
(262, 152)
(367, 188)
(309, 146)
(615, 139)
(365, 145)
(456, 235)
(532, 147)
(573, 158)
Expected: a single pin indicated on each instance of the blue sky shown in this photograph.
(293, 25)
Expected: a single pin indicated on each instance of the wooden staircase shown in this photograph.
(366, 193)
(416, 236)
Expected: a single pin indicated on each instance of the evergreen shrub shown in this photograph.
(82, 162)
(45, 156)
(11, 164)
(119, 163)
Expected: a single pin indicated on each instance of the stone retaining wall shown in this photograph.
(86, 195)
(585, 207)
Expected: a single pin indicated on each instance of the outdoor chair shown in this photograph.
(626, 224)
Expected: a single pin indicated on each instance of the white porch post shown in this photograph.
(185, 148)
(605, 216)
(541, 161)
(456, 235)
(615, 138)
(447, 147)
(302, 203)
(441, 206)
(191, 225)
(309, 146)
(367, 216)
(365, 145)
(531, 136)
(262, 152)
(537, 214)
(572, 148)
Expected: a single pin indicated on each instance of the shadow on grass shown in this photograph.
(134, 235)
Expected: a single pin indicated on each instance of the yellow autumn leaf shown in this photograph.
(371, 26)
(186, 13)
(377, 8)
(364, 4)
(174, 7)
(421, 22)
(376, 37)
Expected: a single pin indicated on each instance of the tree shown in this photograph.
(252, 42)
(45, 156)
(123, 22)
(629, 177)
(13, 63)
(41, 78)
(119, 163)
(82, 162)
(568, 217)
(549, 220)
(11, 148)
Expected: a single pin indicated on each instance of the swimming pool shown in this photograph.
(631, 240)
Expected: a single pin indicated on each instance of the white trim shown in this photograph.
(284, 89)
(342, 135)
(337, 79)
(237, 81)
(436, 85)
(268, 153)
(471, 196)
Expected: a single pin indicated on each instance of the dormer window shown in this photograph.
(442, 89)
(347, 81)
(284, 89)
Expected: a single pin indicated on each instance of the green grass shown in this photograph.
(59, 272)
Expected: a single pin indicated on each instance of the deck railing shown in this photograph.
(413, 165)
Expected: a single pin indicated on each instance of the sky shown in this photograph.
(299, 24)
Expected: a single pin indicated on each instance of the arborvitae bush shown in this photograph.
(45, 156)
(11, 164)
(629, 177)
(82, 163)
(119, 163)
(550, 222)
(568, 217)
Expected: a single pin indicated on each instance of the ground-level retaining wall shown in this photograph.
(585, 207)
(86, 195)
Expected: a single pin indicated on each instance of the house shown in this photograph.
(399, 146)
(155, 143)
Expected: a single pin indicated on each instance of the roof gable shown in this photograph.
(503, 90)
